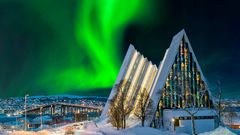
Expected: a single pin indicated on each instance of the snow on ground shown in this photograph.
(147, 131)
(91, 128)
(1, 130)
(219, 131)
(43, 132)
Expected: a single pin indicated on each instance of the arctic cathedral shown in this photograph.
(175, 86)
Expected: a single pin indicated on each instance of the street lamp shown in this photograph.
(41, 117)
(16, 120)
(25, 108)
(173, 121)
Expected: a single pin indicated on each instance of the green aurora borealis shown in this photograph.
(101, 38)
(83, 38)
(50, 47)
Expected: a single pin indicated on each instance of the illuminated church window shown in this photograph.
(184, 79)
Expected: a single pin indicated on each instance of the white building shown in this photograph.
(137, 70)
(177, 85)
(179, 121)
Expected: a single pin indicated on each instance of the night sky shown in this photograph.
(50, 47)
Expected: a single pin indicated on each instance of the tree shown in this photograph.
(125, 107)
(115, 113)
(119, 109)
(218, 105)
(191, 107)
(142, 105)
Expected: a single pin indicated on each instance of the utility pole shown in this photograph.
(25, 108)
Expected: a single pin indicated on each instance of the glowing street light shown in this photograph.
(173, 120)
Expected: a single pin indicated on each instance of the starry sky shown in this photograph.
(50, 47)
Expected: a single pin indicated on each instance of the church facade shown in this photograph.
(177, 88)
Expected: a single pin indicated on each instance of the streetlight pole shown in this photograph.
(25, 108)
(75, 116)
(16, 120)
(41, 117)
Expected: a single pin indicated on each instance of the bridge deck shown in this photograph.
(61, 104)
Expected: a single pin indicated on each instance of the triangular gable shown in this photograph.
(165, 67)
(131, 51)
(136, 73)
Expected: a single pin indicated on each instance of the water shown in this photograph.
(4, 118)
(236, 131)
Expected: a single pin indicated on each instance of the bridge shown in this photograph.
(64, 109)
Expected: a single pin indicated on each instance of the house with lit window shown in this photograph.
(177, 88)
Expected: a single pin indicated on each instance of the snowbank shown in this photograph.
(91, 128)
(147, 131)
(219, 131)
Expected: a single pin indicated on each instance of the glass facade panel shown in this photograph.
(184, 83)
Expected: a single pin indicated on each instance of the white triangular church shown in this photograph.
(175, 88)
